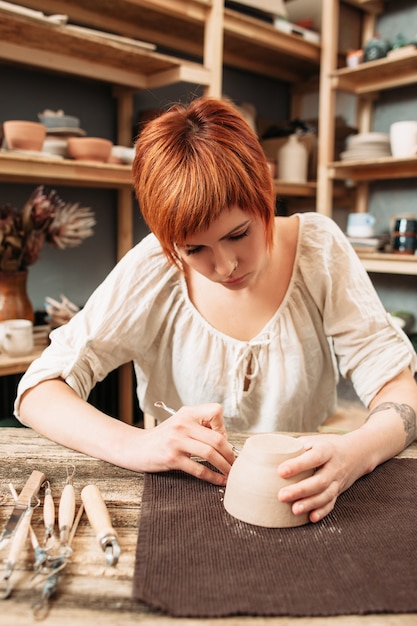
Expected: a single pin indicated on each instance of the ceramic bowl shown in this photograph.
(23, 135)
(59, 121)
(122, 154)
(57, 147)
(253, 483)
(89, 148)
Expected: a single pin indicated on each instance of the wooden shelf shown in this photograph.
(175, 24)
(389, 263)
(19, 364)
(87, 53)
(24, 169)
(257, 46)
(374, 169)
(300, 190)
(376, 75)
(370, 6)
(249, 43)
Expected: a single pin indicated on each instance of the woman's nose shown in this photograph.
(225, 266)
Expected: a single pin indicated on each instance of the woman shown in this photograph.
(239, 317)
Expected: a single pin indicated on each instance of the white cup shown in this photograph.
(16, 337)
(403, 139)
(360, 225)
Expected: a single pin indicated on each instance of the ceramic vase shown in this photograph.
(14, 299)
(253, 483)
(293, 161)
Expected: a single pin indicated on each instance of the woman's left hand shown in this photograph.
(331, 459)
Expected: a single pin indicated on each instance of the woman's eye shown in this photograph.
(240, 235)
(192, 250)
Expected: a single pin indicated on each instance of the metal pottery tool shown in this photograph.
(30, 490)
(41, 555)
(99, 518)
(162, 405)
(55, 565)
(18, 541)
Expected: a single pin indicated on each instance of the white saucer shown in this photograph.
(34, 153)
(62, 130)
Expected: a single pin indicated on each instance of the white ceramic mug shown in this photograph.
(403, 139)
(253, 483)
(360, 225)
(16, 337)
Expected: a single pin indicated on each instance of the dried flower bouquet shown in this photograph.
(43, 218)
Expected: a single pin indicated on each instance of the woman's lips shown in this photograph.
(234, 281)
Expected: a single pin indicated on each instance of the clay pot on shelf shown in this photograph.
(89, 148)
(22, 135)
(253, 483)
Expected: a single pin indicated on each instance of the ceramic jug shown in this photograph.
(293, 161)
(253, 483)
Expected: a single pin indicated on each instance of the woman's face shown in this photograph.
(231, 252)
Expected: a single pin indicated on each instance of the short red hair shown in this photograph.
(193, 162)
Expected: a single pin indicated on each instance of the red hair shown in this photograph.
(193, 162)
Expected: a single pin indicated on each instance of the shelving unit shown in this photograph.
(116, 42)
(365, 81)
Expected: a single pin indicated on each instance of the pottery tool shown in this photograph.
(66, 511)
(40, 553)
(99, 518)
(30, 489)
(40, 608)
(18, 541)
(162, 405)
(48, 512)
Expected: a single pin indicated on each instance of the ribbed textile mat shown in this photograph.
(193, 559)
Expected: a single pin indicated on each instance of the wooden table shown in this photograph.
(88, 591)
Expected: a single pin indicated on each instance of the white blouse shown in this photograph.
(330, 319)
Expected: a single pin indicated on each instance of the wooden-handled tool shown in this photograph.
(31, 489)
(66, 512)
(99, 518)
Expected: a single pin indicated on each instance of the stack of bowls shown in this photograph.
(366, 146)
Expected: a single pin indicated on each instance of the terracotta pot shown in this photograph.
(22, 135)
(89, 148)
(14, 299)
(253, 484)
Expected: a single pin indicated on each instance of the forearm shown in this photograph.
(54, 410)
(391, 424)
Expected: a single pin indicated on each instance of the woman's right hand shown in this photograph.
(193, 431)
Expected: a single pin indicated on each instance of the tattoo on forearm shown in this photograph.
(406, 413)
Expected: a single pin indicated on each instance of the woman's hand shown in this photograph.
(196, 431)
(335, 466)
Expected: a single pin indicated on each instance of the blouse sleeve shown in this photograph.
(369, 347)
(118, 324)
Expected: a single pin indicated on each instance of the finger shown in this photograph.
(311, 459)
(212, 447)
(201, 471)
(317, 505)
(306, 488)
(316, 513)
(212, 417)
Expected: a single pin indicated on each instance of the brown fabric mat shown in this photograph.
(193, 559)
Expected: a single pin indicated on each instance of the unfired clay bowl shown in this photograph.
(253, 484)
(89, 148)
(23, 135)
